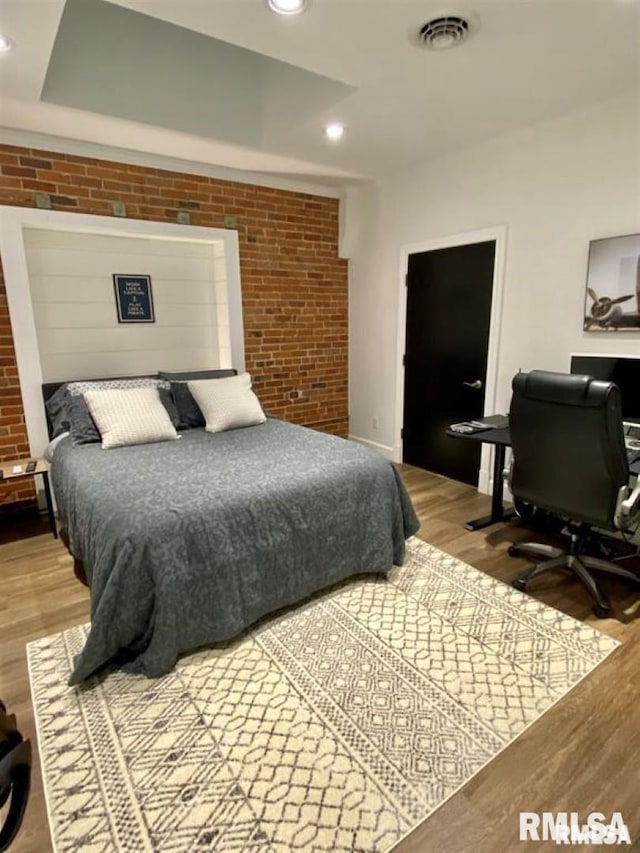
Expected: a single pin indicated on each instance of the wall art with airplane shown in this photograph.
(612, 301)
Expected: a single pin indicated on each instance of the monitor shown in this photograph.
(625, 372)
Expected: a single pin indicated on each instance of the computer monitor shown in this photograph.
(625, 372)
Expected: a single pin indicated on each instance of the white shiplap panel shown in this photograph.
(75, 308)
(71, 241)
(182, 291)
(55, 288)
(99, 315)
(125, 338)
(57, 368)
(82, 263)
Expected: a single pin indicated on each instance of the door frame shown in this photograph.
(498, 233)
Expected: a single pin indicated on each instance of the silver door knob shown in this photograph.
(477, 384)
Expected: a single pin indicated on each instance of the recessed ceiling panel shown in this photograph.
(111, 60)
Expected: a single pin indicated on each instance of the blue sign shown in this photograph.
(133, 298)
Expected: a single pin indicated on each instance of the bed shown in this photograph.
(186, 543)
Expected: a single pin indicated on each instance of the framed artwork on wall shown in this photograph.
(612, 302)
(134, 299)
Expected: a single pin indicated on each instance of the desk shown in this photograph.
(501, 439)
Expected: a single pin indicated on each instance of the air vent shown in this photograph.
(446, 30)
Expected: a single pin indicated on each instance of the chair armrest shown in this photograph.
(507, 472)
(628, 504)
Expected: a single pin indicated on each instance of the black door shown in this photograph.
(448, 315)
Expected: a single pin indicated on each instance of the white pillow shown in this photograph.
(129, 416)
(227, 403)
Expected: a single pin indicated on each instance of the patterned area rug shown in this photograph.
(339, 725)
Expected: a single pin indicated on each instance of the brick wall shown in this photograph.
(294, 286)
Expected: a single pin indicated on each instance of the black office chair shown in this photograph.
(569, 459)
(15, 776)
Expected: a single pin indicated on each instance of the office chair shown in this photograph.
(569, 459)
(15, 776)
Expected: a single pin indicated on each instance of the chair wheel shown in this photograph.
(602, 612)
(513, 550)
(519, 584)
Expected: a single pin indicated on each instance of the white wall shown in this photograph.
(72, 292)
(556, 186)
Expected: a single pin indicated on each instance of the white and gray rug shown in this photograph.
(339, 725)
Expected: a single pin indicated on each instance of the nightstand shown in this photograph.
(10, 472)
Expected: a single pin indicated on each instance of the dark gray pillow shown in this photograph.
(56, 407)
(83, 428)
(166, 398)
(188, 410)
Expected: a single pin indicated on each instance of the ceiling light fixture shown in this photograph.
(287, 7)
(334, 131)
(5, 44)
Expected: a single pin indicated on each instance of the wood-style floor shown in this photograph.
(582, 756)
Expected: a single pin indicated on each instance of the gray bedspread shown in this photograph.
(188, 542)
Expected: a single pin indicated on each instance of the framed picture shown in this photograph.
(612, 301)
(134, 299)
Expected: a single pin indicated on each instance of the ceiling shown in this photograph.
(231, 83)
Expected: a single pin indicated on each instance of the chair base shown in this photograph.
(576, 562)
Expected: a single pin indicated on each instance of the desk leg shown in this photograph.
(47, 494)
(497, 508)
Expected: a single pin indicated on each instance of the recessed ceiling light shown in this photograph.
(5, 44)
(334, 131)
(287, 7)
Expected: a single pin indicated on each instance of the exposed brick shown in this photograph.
(35, 163)
(19, 171)
(64, 200)
(39, 186)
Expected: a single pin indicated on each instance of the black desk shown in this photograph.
(501, 439)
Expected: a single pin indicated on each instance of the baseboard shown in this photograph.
(382, 449)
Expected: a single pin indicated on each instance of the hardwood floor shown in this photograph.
(583, 755)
